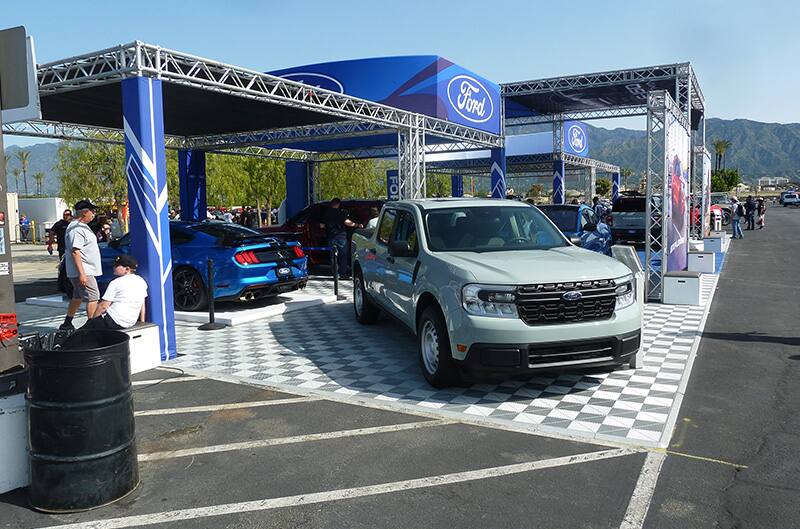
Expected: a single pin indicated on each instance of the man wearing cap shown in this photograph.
(82, 262)
(123, 301)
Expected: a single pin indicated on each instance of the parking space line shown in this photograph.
(643, 491)
(220, 407)
(344, 494)
(411, 409)
(165, 380)
(262, 443)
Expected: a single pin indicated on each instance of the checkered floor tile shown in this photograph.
(325, 350)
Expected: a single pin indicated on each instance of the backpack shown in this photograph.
(739, 210)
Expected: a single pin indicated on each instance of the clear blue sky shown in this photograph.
(745, 53)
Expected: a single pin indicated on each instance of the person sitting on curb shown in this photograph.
(123, 301)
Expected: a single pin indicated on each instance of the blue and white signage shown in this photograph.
(576, 139)
(470, 99)
(427, 84)
(392, 185)
(319, 80)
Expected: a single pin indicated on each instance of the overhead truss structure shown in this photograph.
(686, 86)
(354, 116)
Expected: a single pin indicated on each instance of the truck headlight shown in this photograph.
(625, 291)
(494, 301)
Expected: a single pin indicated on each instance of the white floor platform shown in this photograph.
(230, 313)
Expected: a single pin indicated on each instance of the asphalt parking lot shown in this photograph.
(219, 454)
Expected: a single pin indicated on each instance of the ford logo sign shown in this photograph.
(572, 295)
(470, 99)
(576, 138)
(326, 82)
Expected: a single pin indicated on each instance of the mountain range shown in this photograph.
(757, 149)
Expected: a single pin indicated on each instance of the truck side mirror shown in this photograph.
(400, 249)
(575, 240)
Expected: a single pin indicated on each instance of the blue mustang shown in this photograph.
(580, 221)
(247, 264)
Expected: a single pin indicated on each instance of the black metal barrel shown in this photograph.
(81, 438)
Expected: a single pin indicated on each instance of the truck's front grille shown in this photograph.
(545, 304)
(570, 352)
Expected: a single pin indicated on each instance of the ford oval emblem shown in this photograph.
(576, 138)
(326, 82)
(572, 295)
(470, 99)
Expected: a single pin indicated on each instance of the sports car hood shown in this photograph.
(521, 267)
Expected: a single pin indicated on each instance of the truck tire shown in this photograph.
(366, 311)
(433, 342)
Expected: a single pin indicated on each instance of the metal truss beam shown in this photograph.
(328, 131)
(66, 131)
(411, 161)
(661, 111)
(518, 164)
(262, 152)
(579, 115)
(140, 59)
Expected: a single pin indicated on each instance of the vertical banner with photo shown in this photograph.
(707, 194)
(676, 194)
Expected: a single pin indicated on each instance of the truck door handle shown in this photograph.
(390, 259)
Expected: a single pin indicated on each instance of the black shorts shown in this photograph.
(102, 322)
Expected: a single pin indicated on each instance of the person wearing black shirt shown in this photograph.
(336, 225)
(58, 231)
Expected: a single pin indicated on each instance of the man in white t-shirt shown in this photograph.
(123, 301)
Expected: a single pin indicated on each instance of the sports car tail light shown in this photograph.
(298, 252)
(246, 258)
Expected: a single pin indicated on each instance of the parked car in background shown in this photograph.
(492, 288)
(791, 199)
(580, 222)
(307, 226)
(248, 265)
(723, 200)
(629, 222)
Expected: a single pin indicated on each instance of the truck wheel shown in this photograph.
(366, 311)
(434, 350)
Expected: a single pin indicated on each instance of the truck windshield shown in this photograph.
(490, 229)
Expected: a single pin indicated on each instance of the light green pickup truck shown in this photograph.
(492, 288)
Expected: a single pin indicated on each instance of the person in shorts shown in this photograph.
(123, 301)
(82, 261)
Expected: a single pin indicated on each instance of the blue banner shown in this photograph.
(615, 184)
(576, 138)
(558, 182)
(498, 173)
(296, 187)
(192, 184)
(392, 185)
(456, 185)
(427, 84)
(146, 171)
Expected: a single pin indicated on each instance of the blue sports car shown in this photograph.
(580, 221)
(247, 264)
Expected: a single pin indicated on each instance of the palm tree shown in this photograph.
(720, 146)
(24, 158)
(39, 178)
(625, 173)
(16, 172)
